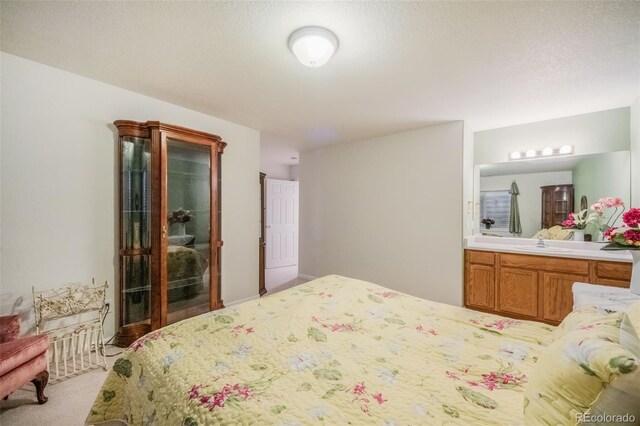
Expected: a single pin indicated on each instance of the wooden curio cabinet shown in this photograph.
(169, 215)
(261, 241)
(557, 203)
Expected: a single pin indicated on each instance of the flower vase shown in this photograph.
(635, 272)
(578, 235)
(179, 228)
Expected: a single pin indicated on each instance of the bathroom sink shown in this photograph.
(179, 240)
(535, 249)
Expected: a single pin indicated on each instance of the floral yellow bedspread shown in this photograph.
(332, 351)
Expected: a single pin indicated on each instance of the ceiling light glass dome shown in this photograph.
(313, 46)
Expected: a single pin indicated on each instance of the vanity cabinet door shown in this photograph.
(480, 286)
(557, 296)
(518, 291)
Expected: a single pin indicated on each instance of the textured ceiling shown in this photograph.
(400, 65)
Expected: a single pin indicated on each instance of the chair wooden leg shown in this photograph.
(40, 382)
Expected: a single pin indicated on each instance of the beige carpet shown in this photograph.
(69, 400)
(294, 282)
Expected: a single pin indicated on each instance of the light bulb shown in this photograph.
(531, 153)
(566, 149)
(547, 151)
(515, 155)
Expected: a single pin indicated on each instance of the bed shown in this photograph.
(335, 350)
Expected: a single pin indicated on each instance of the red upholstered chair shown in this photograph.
(22, 360)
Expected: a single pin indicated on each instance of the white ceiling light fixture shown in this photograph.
(546, 152)
(566, 149)
(313, 46)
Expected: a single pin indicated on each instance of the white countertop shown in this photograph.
(569, 249)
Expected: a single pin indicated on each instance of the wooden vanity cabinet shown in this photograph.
(533, 287)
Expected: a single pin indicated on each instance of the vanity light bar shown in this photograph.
(546, 152)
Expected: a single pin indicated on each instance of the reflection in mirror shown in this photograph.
(569, 181)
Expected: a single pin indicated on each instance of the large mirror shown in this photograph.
(548, 189)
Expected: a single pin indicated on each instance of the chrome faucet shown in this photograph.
(541, 243)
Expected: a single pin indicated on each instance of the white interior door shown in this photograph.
(282, 223)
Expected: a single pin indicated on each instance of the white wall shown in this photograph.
(603, 131)
(279, 170)
(275, 170)
(58, 180)
(603, 175)
(387, 210)
(530, 199)
(635, 152)
(467, 183)
(294, 172)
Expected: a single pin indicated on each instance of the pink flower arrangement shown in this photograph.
(608, 202)
(576, 220)
(627, 236)
(597, 216)
(632, 217)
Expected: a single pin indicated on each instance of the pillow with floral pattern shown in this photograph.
(573, 371)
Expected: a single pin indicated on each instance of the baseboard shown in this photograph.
(237, 302)
(307, 277)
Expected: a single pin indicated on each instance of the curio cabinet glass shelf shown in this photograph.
(170, 246)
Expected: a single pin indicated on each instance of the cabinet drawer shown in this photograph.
(612, 283)
(614, 271)
(555, 264)
(481, 257)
